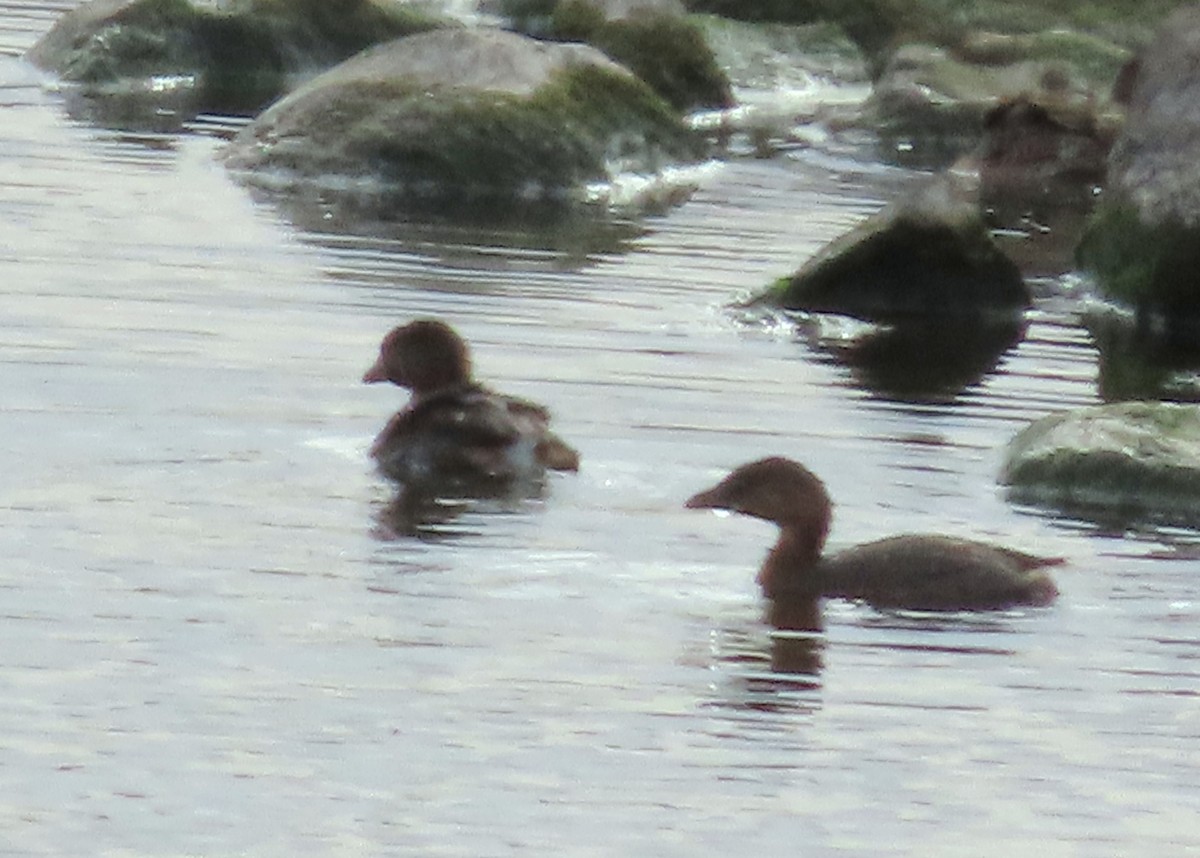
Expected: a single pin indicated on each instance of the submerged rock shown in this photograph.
(1143, 245)
(927, 255)
(235, 55)
(462, 116)
(1126, 460)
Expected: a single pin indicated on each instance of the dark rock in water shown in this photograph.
(472, 115)
(234, 56)
(1124, 461)
(928, 255)
(1143, 245)
(652, 38)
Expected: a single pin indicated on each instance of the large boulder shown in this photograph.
(930, 254)
(1119, 461)
(231, 55)
(461, 116)
(1143, 245)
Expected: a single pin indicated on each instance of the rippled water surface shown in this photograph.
(208, 646)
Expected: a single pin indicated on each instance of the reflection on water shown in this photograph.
(429, 515)
(928, 360)
(1137, 362)
(571, 234)
(202, 625)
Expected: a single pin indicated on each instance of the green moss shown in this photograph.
(877, 26)
(159, 14)
(529, 16)
(907, 263)
(453, 145)
(239, 56)
(334, 31)
(1096, 58)
(667, 51)
(671, 55)
(153, 37)
(576, 21)
(784, 11)
(486, 144)
(1141, 265)
(1136, 456)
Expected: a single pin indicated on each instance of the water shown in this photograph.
(207, 647)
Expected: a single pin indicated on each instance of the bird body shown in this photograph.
(913, 571)
(454, 433)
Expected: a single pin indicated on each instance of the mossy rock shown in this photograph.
(671, 55)
(1145, 265)
(652, 39)
(1129, 459)
(765, 56)
(433, 118)
(238, 55)
(1095, 59)
(873, 25)
(886, 23)
(1143, 245)
(928, 255)
(936, 100)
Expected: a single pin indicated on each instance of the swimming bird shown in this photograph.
(919, 572)
(455, 433)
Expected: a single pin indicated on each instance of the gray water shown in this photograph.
(211, 645)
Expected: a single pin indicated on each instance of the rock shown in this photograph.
(766, 57)
(1125, 460)
(873, 25)
(932, 102)
(235, 55)
(461, 116)
(651, 38)
(927, 255)
(536, 17)
(1143, 245)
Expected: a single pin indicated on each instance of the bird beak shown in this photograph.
(707, 499)
(377, 372)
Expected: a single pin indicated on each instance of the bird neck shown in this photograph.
(792, 563)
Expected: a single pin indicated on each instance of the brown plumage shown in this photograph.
(920, 572)
(455, 433)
